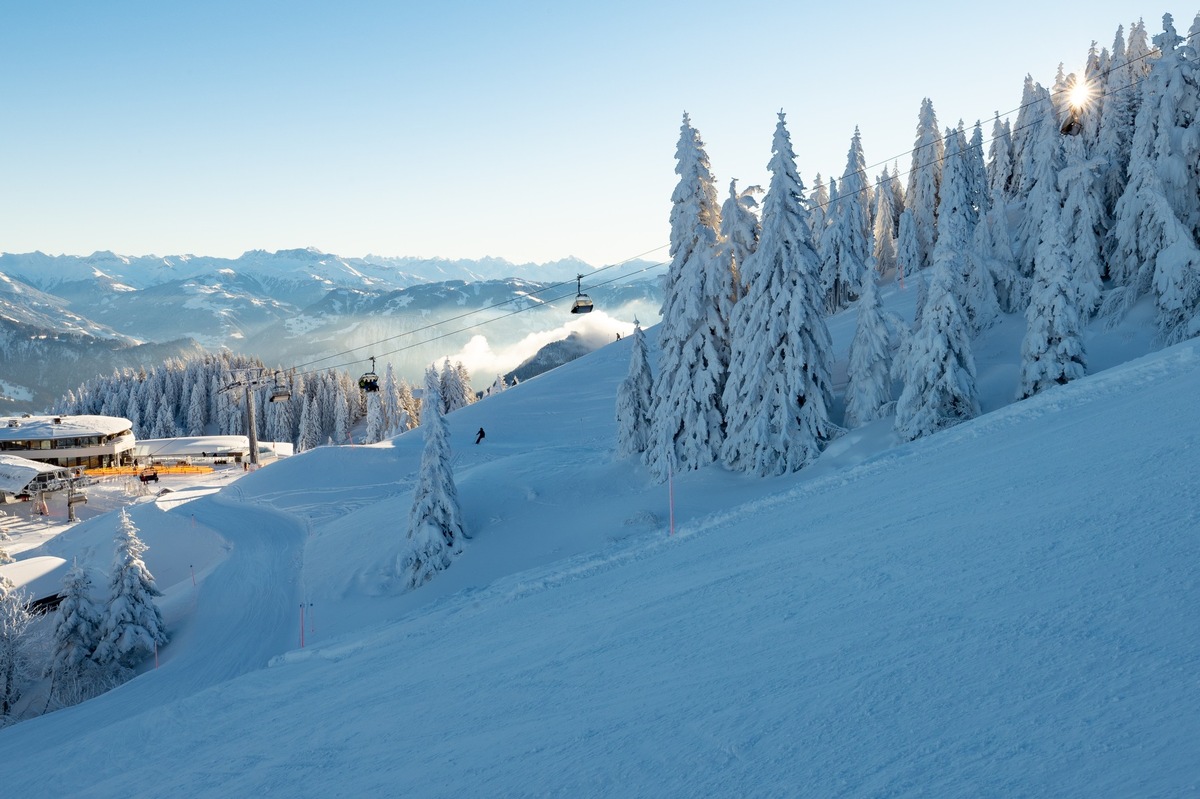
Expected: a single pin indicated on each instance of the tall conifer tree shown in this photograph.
(924, 183)
(884, 226)
(435, 528)
(740, 230)
(76, 633)
(693, 364)
(132, 626)
(869, 384)
(1052, 352)
(938, 368)
(846, 243)
(15, 647)
(634, 400)
(779, 390)
(1157, 223)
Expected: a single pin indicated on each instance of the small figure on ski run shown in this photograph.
(479, 437)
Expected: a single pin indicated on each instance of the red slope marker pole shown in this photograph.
(301, 625)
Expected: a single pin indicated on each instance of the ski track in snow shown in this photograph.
(241, 608)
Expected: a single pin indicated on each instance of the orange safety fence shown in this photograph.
(130, 471)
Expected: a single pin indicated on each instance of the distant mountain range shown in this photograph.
(64, 319)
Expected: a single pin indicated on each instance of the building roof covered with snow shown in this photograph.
(192, 447)
(42, 428)
(17, 473)
(37, 577)
(89, 441)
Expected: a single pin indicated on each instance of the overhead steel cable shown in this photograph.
(488, 321)
(302, 368)
(465, 314)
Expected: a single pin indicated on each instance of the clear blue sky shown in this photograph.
(527, 130)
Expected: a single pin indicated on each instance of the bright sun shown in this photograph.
(1080, 94)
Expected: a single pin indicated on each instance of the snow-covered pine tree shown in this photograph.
(977, 176)
(1087, 84)
(1052, 352)
(1140, 57)
(389, 390)
(991, 253)
(1043, 161)
(230, 414)
(1034, 106)
(280, 422)
(924, 183)
(218, 401)
(846, 242)
(687, 421)
(131, 627)
(498, 385)
(779, 390)
(1157, 219)
(1000, 164)
(1083, 222)
(828, 265)
(435, 528)
(818, 204)
(1115, 123)
(309, 435)
(898, 200)
(957, 218)
(464, 377)
(635, 400)
(73, 674)
(15, 647)
(740, 230)
(453, 392)
(326, 397)
(883, 230)
(375, 422)
(938, 369)
(869, 383)
(1060, 94)
(164, 425)
(196, 413)
(908, 246)
(341, 415)
(150, 416)
(410, 405)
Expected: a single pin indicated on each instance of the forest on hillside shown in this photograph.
(1085, 204)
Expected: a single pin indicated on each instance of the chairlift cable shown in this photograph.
(550, 301)
(477, 310)
(300, 369)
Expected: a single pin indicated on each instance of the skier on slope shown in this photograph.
(479, 437)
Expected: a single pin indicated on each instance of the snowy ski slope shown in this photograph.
(1007, 608)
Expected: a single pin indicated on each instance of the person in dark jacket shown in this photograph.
(479, 437)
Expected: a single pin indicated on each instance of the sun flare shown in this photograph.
(1080, 94)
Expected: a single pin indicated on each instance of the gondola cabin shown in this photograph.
(1072, 126)
(369, 381)
(280, 393)
(583, 303)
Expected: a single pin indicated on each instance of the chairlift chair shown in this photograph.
(280, 393)
(583, 303)
(370, 380)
